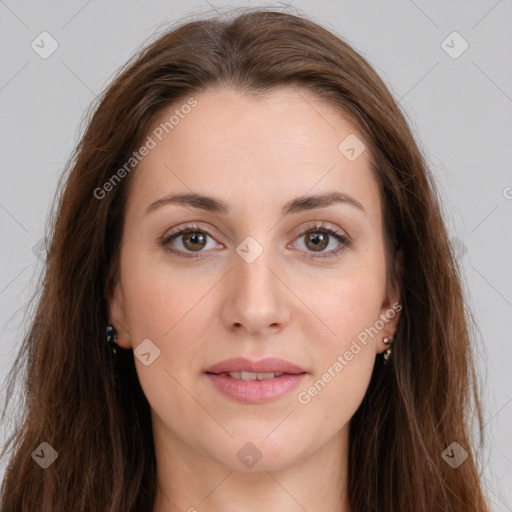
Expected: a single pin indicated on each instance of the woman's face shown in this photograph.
(259, 277)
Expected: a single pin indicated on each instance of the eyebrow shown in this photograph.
(297, 205)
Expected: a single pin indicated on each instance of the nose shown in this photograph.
(257, 301)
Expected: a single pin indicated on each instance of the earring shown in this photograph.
(112, 337)
(387, 353)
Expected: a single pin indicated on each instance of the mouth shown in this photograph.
(250, 376)
(254, 391)
(254, 370)
(255, 382)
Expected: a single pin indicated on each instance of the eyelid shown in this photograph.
(333, 231)
(181, 230)
(193, 226)
(319, 224)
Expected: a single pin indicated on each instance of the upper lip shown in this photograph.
(270, 364)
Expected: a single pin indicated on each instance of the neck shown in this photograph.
(189, 480)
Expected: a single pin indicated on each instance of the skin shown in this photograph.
(255, 154)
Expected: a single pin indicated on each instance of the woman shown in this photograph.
(250, 300)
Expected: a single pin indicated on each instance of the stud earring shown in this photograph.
(112, 337)
(387, 353)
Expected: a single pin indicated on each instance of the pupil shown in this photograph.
(194, 239)
(318, 239)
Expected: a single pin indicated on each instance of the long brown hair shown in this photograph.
(89, 406)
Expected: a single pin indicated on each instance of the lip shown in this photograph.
(255, 391)
(269, 364)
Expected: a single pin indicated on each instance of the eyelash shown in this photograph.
(193, 228)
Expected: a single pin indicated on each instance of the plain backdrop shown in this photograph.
(456, 90)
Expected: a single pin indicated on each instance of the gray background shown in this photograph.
(460, 110)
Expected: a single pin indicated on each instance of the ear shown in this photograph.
(117, 315)
(390, 316)
(391, 308)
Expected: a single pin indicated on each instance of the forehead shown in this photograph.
(252, 150)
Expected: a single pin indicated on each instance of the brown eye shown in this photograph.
(190, 242)
(319, 237)
(194, 240)
(317, 241)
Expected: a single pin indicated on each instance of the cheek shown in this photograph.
(344, 360)
(174, 310)
(333, 397)
(345, 351)
(159, 295)
(345, 306)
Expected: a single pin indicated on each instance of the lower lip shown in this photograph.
(256, 391)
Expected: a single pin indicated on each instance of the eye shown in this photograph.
(319, 236)
(193, 239)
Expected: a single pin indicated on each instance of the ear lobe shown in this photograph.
(390, 312)
(390, 316)
(117, 316)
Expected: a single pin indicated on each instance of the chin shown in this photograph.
(254, 453)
